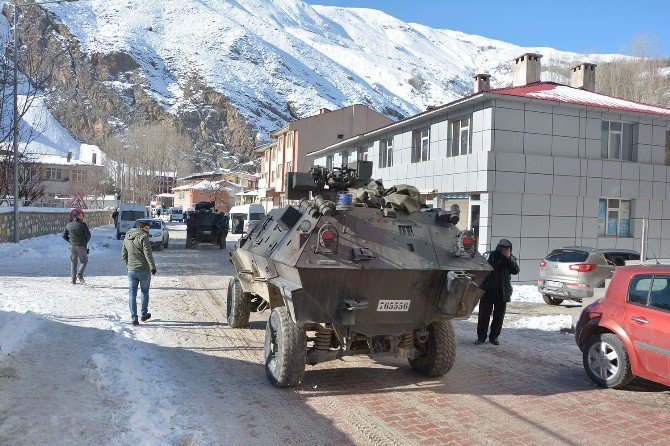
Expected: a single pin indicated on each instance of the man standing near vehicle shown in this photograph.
(78, 235)
(497, 292)
(136, 252)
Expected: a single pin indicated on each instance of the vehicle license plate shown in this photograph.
(553, 284)
(393, 305)
(206, 232)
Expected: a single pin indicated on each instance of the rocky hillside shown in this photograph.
(227, 72)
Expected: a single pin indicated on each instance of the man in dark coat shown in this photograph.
(77, 233)
(498, 291)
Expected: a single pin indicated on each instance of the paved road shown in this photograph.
(530, 390)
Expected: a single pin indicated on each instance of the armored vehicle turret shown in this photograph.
(205, 226)
(356, 270)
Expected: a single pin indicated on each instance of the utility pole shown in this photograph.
(15, 129)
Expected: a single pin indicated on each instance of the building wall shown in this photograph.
(35, 223)
(540, 176)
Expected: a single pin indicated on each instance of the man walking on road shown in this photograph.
(78, 235)
(497, 292)
(136, 252)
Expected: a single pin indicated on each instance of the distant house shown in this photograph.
(293, 142)
(221, 192)
(542, 164)
(64, 177)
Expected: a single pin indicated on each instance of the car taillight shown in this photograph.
(543, 263)
(583, 267)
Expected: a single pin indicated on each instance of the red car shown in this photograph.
(627, 332)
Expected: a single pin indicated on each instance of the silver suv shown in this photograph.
(572, 273)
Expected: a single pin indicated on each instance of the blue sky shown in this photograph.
(594, 26)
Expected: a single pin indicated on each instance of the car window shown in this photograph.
(616, 258)
(238, 216)
(659, 297)
(256, 216)
(638, 291)
(569, 256)
(131, 215)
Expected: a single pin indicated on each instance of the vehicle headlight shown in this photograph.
(156, 234)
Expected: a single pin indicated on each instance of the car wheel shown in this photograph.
(238, 305)
(438, 352)
(606, 361)
(285, 349)
(551, 300)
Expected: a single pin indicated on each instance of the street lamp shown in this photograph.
(15, 123)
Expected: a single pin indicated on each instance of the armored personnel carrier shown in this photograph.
(205, 226)
(367, 271)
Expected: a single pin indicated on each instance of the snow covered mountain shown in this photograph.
(278, 60)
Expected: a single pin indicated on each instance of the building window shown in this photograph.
(289, 140)
(288, 167)
(616, 141)
(180, 195)
(614, 217)
(362, 154)
(386, 152)
(95, 158)
(78, 175)
(345, 158)
(53, 174)
(420, 145)
(460, 137)
(329, 162)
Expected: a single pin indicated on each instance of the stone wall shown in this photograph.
(34, 222)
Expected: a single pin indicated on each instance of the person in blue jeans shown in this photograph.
(137, 254)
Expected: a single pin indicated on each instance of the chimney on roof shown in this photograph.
(526, 69)
(69, 156)
(482, 82)
(323, 111)
(584, 77)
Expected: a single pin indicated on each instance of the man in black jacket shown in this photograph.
(77, 233)
(498, 291)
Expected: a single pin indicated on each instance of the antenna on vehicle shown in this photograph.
(653, 254)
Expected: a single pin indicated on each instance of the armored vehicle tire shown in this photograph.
(437, 354)
(238, 305)
(551, 300)
(285, 349)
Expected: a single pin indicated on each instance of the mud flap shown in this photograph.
(289, 293)
(459, 294)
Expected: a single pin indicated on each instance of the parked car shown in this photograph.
(572, 273)
(627, 332)
(159, 235)
(128, 213)
(243, 218)
(176, 214)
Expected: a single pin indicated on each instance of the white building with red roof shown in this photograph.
(542, 164)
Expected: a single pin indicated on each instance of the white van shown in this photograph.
(243, 218)
(128, 213)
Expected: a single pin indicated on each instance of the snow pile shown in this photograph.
(14, 329)
(557, 322)
(53, 246)
(526, 293)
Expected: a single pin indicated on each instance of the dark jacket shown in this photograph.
(136, 251)
(503, 268)
(77, 233)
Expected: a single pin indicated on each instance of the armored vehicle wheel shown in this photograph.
(551, 300)
(285, 349)
(437, 354)
(238, 305)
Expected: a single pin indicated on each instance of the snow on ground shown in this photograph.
(118, 384)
